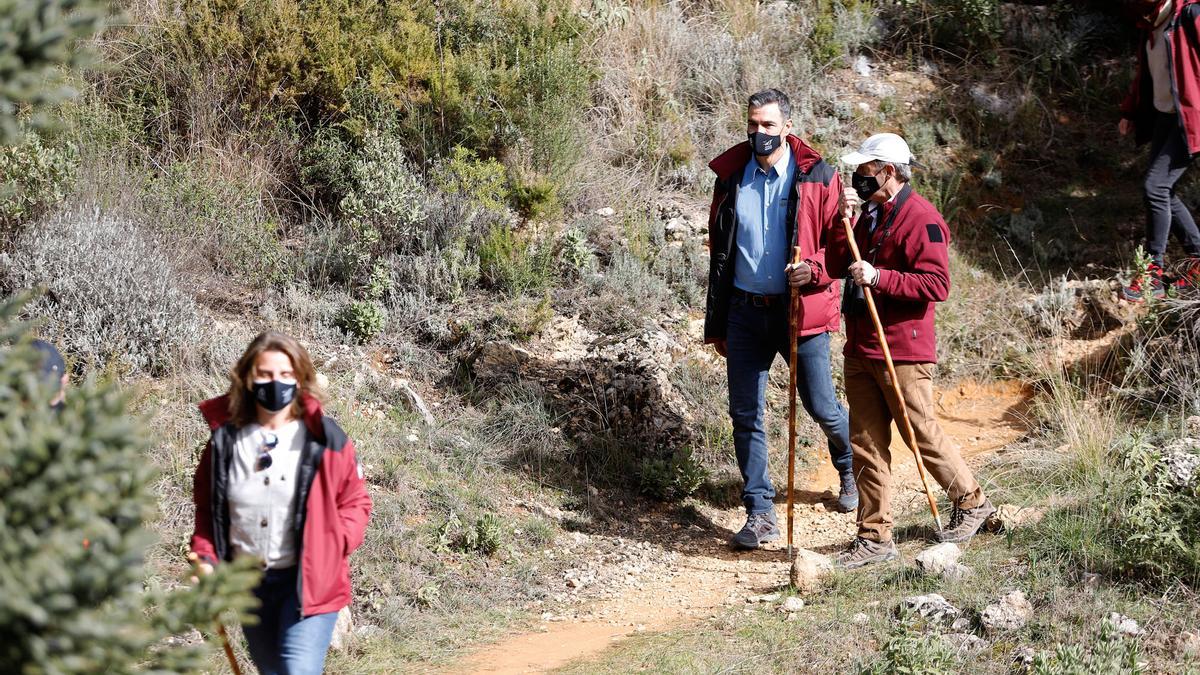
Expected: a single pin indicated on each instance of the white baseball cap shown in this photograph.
(881, 147)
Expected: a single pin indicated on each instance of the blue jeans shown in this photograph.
(282, 643)
(754, 337)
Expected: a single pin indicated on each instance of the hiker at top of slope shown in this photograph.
(904, 244)
(279, 482)
(773, 192)
(1163, 109)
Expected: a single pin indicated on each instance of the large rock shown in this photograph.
(1083, 310)
(1010, 612)
(1181, 461)
(808, 569)
(933, 608)
(604, 385)
(966, 642)
(1011, 517)
(942, 560)
(343, 630)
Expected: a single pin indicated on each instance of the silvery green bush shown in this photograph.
(111, 296)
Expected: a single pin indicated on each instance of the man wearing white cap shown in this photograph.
(904, 243)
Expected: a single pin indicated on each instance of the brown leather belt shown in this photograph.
(758, 300)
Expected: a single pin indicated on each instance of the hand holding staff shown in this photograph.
(200, 569)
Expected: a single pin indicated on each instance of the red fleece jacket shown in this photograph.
(336, 510)
(914, 274)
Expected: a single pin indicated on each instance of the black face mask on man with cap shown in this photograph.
(865, 186)
(764, 144)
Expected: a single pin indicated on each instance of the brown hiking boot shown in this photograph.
(964, 523)
(865, 552)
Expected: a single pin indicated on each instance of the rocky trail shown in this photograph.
(672, 571)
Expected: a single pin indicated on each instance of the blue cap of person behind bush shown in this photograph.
(53, 365)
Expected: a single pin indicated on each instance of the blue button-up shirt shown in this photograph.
(762, 245)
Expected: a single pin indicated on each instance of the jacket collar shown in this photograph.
(216, 412)
(734, 159)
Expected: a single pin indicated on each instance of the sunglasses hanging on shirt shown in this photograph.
(263, 462)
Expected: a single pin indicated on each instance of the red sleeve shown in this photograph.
(353, 502)
(202, 535)
(928, 276)
(831, 222)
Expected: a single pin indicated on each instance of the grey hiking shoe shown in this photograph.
(847, 501)
(865, 552)
(964, 523)
(758, 530)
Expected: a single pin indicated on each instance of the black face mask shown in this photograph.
(764, 144)
(274, 395)
(865, 186)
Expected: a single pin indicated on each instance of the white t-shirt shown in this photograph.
(1160, 70)
(262, 504)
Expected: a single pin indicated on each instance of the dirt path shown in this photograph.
(707, 575)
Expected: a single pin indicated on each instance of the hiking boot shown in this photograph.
(964, 523)
(1148, 284)
(758, 530)
(863, 552)
(847, 501)
(1189, 280)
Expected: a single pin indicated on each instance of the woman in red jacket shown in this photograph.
(279, 482)
(1163, 109)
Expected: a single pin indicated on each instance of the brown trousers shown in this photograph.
(873, 406)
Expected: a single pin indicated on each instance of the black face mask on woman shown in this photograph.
(274, 395)
(865, 186)
(764, 144)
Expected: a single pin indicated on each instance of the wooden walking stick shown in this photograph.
(910, 436)
(233, 662)
(793, 335)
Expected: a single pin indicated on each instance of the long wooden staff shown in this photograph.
(793, 335)
(910, 436)
(233, 662)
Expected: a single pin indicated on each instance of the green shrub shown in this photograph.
(111, 296)
(514, 263)
(34, 176)
(78, 493)
(968, 26)
(537, 198)
(220, 217)
(1153, 524)
(361, 320)
(40, 48)
(484, 182)
(1107, 654)
(625, 295)
(910, 652)
(672, 478)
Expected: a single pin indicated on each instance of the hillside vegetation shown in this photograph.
(407, 185)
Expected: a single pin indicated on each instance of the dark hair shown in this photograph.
(768, 96)
(241, 403)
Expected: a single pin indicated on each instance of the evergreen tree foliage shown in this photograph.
(38, 45)
(75, 495)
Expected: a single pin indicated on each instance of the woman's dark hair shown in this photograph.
(241, 403)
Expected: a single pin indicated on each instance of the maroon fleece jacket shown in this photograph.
(914, 274)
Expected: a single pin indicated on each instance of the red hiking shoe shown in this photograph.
(1189, 280)
(1146, 284)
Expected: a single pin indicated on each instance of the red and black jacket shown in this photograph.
(1183, 48)
(332, 504)
(812, 216)
(911, 250)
